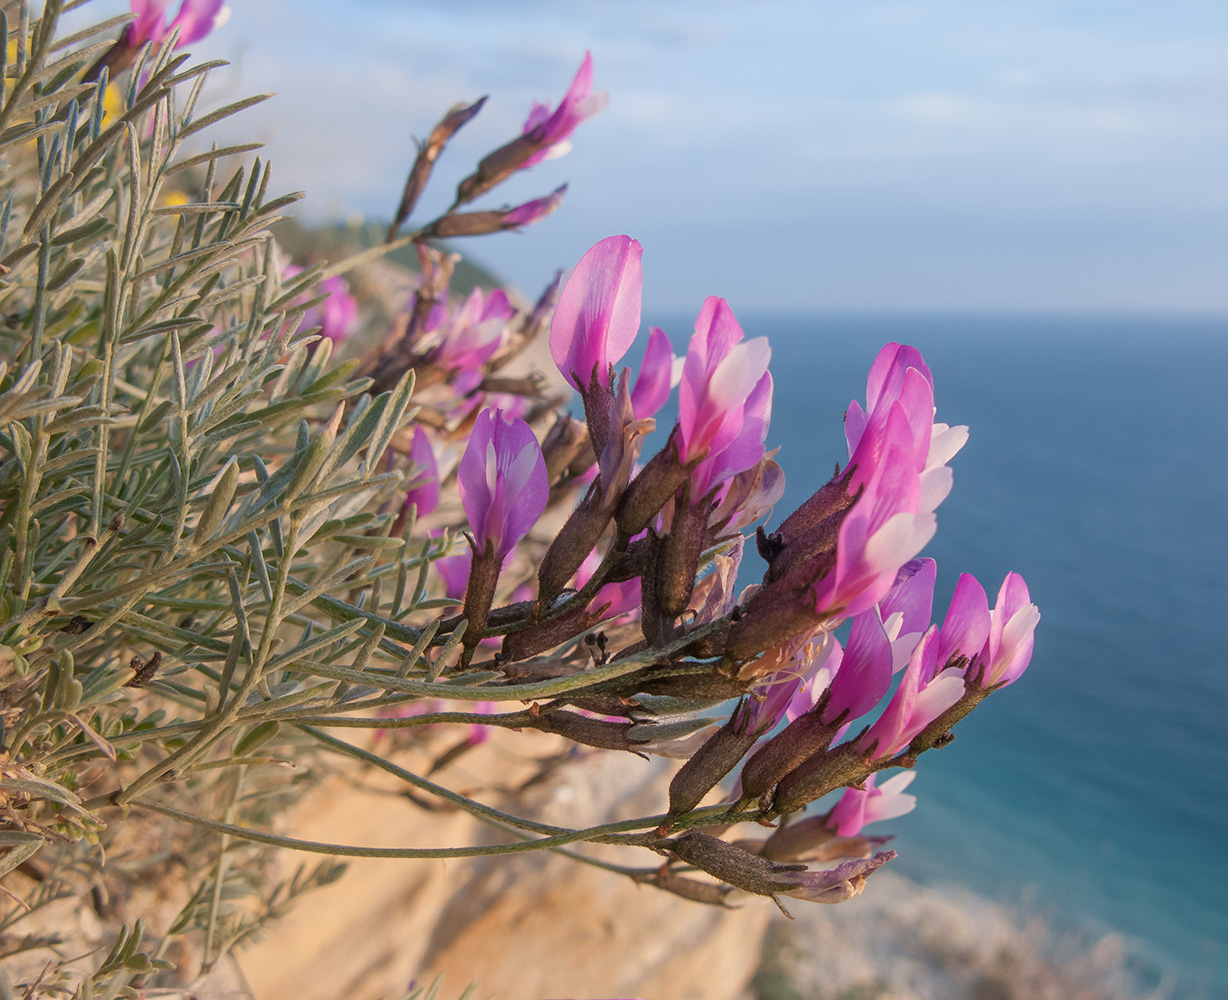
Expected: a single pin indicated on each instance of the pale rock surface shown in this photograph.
(524, 927)
(903, 941)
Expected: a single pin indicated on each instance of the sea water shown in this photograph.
(1094, 791)
(1096, 787)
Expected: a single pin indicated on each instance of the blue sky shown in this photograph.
(872, 156)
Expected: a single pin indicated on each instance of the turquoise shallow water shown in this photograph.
(1096, 788)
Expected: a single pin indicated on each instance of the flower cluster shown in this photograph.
(583, 576)
(648, 555)
(194, 20)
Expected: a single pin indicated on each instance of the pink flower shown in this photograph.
(655, 377)
(917, 701)
(535, 210)
(425, 490)
(745, 450)
(770, 699)
(598, 314)
(908, 607)
(864, 672)
(840, 883)
(551, 129)
(1008, 649)
(469, 335)
(454, 571)
(966, 626)
(196, 18)
(718, 376)
(479, 733)
(617, 599)
(884, 529)
(502, 481)
(337, 315)
(860, 807)
(899, 375)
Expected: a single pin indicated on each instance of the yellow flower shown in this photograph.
(112, 105)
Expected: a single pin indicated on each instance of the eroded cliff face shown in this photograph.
(524, 927)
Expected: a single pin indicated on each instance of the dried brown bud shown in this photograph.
(804, 737)
(649, 491)
(564, 441)
(465, 224)
(428, 153)
(580, 729)
(547, 634)
(711, 893)
(497, 166)
(735, 866)
(680, 552)
(711, 762)
(838, 767)
(480, 593)
(778, 613)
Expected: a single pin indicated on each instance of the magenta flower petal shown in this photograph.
(535, 210)
(653, 383)
(746, 448)
(883, 530)
(502, 481)
(890, 803)
(454, 571)
(966, 626)
(908, 712)
(425, 491)
(848, 815)
(718, 375)
(150, 18)
(912, 596)
(552, 129)
(865, 671)
(196, 18)
(888, 370)
(770, 698)
(497, 306)
(855, 422)
(843, 882)
(819, 665)
(858, 808)
(598, 314)
(1008, 648)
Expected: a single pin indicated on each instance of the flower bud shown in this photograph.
(711, 762)
(735, 866)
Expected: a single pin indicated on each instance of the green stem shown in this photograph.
(597, 833)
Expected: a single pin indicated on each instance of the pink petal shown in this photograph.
(425, 492)
(535, 210)
(652, 384)
(848, 816)
(912, 595)
(945, 444)
(888, 370)
(502, 480)
(1015, 652)
(598, 314)
(885, 735)
(745, 450)
(865, 671)
(966, 626)
(195, 19)
(855, 421)
(890, 803)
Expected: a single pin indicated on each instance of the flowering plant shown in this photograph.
(218, 544)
